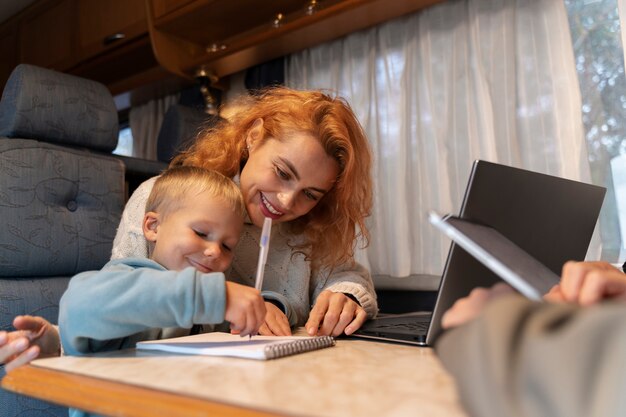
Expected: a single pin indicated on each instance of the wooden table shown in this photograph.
(354, 378)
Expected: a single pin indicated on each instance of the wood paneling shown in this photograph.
(46, 37)
(8, 51)
(224, 36)
(164, 7)
(69, 36)
(107, 24)
(221, 37)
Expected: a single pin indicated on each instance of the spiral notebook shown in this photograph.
(226, 344)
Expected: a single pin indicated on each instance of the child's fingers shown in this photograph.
(254, 319)
(10, 348)
(22, 359)
(31, 323)
(238, 323)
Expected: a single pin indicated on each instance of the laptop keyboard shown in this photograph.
(413, 326)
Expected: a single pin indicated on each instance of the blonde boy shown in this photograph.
(192, 222)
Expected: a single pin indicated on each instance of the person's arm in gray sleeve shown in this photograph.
(521, 358)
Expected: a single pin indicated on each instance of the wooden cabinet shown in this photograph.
(104, 25)
(106, 41)
(126, 44)
(165, 7)
(45, 35)
(8, 51)
(225, 36)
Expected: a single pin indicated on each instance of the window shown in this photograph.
(596, 37)
(124, 142)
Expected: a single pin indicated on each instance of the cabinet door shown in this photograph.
(162, 7)
(8, 51)
(45, 35)
(103, 25)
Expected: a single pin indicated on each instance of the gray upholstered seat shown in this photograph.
(61, 197)
(180, 127)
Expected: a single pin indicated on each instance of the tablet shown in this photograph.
(511, 263)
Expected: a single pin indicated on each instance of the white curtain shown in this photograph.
(145, 122)
(459, 81)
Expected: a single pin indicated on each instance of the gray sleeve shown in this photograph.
(521, 358)
(292, 318)
(108, 309)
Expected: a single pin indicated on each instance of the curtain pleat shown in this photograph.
(459, 81)
(145, 122)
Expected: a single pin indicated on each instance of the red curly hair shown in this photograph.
(332, 227)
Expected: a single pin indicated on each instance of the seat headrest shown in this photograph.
(179, 129)
(50, 106)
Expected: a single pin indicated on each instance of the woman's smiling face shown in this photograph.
(285, 179)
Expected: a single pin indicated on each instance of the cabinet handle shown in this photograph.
(113, 38)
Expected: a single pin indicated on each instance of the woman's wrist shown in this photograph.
(277, 304)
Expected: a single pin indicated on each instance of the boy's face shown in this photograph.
(202, 234)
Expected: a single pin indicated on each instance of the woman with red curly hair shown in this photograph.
(302, 159)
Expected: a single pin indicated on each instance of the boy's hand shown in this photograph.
(245, 309)
(34, 337)
(276, 323)
(335, 313)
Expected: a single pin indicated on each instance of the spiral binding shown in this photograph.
(293, 347)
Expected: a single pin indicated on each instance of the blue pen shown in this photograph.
(265, 246)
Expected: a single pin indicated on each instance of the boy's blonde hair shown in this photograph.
(177, 184)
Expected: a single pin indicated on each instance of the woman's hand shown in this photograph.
(276, 323)
(468, 308)
(335, 313)
(587, 283)
(34, 337)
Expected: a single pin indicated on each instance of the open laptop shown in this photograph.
(551, 218)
